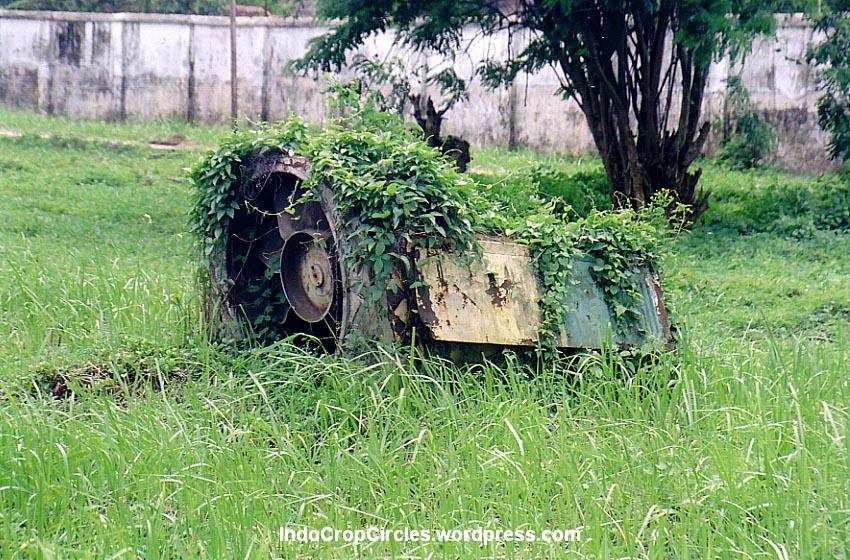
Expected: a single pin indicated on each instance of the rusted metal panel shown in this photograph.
(654, 320)
(590, 323)
(588, 320)
(487, 301)
(495, 301)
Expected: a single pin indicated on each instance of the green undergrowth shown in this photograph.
(179, 133)
(576, 193)
(712, 454)
(771, 201)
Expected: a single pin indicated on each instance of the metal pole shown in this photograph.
(234, 105)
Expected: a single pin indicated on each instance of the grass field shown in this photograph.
(734, 447)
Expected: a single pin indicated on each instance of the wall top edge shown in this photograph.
(132, 17)
(786, 20)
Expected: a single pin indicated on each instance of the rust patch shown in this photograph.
(400, 319)
(441, 277)
(426, 307)
(498, 292)
(397, 302)
(466, 299)
(466, 302)
(662, 311)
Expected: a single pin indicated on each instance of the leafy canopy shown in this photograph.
(833, 56)
(560, 28)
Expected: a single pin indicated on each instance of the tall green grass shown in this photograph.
(744, 455)
(124, 434)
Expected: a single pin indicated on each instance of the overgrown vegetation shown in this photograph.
(799, 208)
(747, 137)
(833, 57)
(393, 192)
(397, 85)
(735, 446)
(395, 195)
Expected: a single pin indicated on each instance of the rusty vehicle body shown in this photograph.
(495, 301)
(492, 300)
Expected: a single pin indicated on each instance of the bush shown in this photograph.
(583, 191)
(747, 138)
(798, 207)
(830, 202)
(831, 56)
(539, 183)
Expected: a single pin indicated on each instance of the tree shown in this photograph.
(833, 56)
(636, 68)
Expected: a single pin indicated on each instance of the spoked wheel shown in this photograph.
(309, 268)
(283, 250)
(307, 276)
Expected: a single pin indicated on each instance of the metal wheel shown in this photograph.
(284, 251)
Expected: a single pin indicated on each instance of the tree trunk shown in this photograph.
(234, 83)
(636, 166)
(430, 120)
(624, 83)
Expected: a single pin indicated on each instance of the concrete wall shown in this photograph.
(147, 66)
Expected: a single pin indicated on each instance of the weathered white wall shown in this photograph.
(784, 87)
(147, 66)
